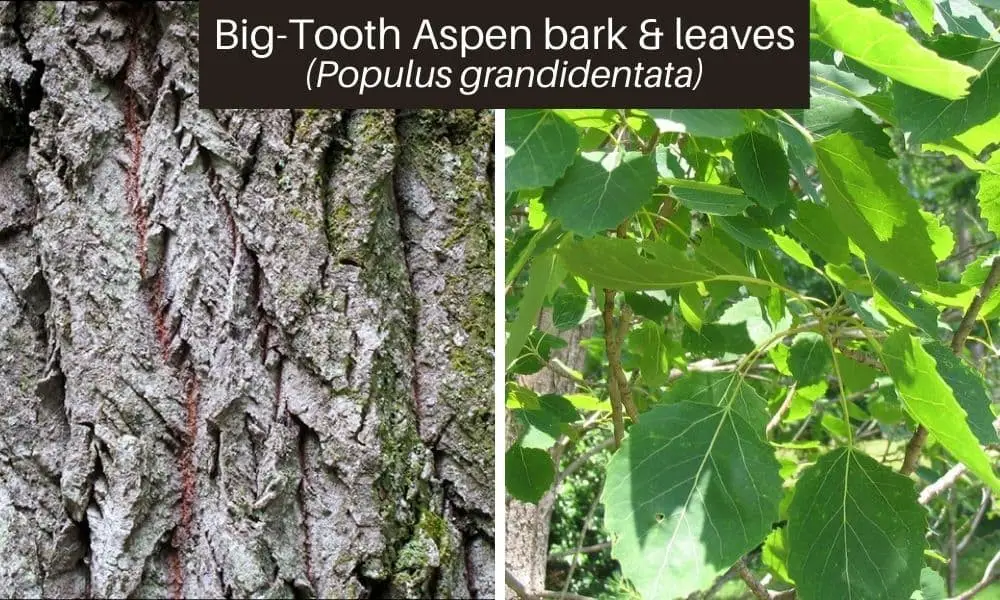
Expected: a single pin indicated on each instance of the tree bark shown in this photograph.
(243, 353)
(526, 546)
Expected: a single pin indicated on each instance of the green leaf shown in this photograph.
(942, 238)
(718, 253)
(539, 429)
(815, 227)
(601, 189)
(600, 118)
(930, 118)
(747, 312)
(692, 306)
(540, 146)
(804, 399)
(794, 250)
(531, 304)
(835, 426)
(721, 389)
(810, 358)
(855, 376)
(855, 530)
(932, 586)
(762, 168)
(648, 342)
(849, 278)
(828, 115)
(775, 554)
(962, 16)
(616, 264)
(536, 353)
(528, 473)
(909, 305)
(989, 194)
(885, 46)
(559, 407)
(691, 490)
(828, 80)
(589, 403)
(520, 397)
(571, 306)
(703, 123)
(970, 390)
(931, 402)
(870, 204)
(923, 13)
(654, 305)
(980, 136)
(714, 340)
(745, 231)
(708, 198)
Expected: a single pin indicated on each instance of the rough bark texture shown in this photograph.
(242, 353)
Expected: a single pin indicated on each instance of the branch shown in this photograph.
(611, 348)
(517, 586)
(756, 587)
(913, 448)
(583, 550)
(719, 583)
(958, 342)
(968, 251)
(559, 368)
(991, 574)
(583, 535)
(782, 411)
(580, 460)
(916, 443)
(984, 506)
(943, 483)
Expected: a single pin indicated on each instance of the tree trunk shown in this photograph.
(526, 546)
(242, 353)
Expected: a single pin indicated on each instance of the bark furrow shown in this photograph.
(243, 353)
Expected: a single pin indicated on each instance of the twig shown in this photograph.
(991, 574)
(984, 505)
(782, 411)
(583, 550)
(802, 428)
(756, 587)
(969, 320)
(579, 461)
(614, 336)
(517, 586)
(613, 390)
(583, 535)
(943, 483)
(916, 443)
(913, 448)
(666, 211)
(624, 324)
(559, 368)
(719, 582)
(859, 356)
(968, 251)
(952, 543)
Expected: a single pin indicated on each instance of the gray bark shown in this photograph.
(242, 353)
